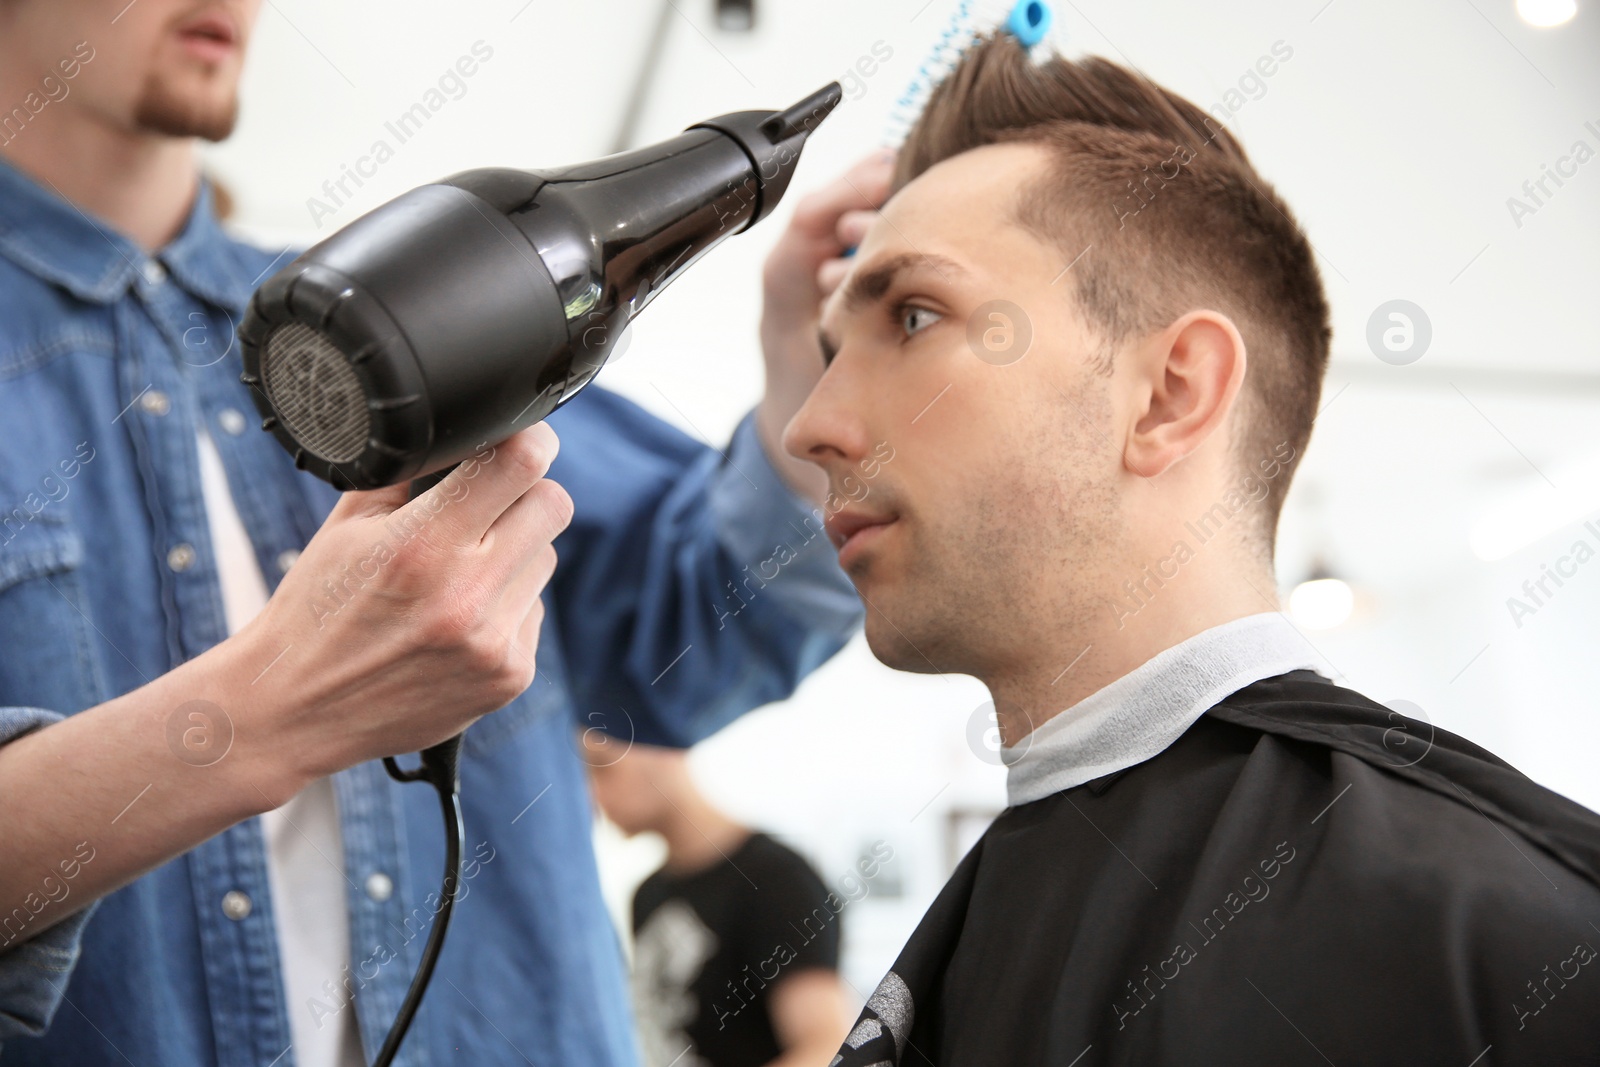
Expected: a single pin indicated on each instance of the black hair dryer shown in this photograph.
(466, 310)
(461, 312)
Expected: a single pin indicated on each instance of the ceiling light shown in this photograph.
(1546, 12)
(1323, 600)
(1321, 603)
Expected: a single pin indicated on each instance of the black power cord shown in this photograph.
(441, 767)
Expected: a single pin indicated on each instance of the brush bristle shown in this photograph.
(970, 20)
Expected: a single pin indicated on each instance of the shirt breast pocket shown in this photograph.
(47, 655)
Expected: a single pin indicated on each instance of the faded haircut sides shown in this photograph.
(1159, 212)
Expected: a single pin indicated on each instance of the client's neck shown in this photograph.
(1064, 660)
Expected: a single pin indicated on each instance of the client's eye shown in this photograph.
(914, 318)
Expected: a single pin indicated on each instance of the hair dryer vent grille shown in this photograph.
(315, 391)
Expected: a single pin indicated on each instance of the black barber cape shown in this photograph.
(1304, 877)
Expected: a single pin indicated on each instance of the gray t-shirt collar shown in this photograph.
(1139, 715)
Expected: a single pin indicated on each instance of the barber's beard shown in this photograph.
(163, 109)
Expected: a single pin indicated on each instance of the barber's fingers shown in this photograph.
(863, 187)
(523, 588)
(524, 598)
(523, 535)
(853, 226)
(534, 519)
(831, 273)
(368, 503)
(462, 508)
(527, 639)
(515, 618)
(519, 613)
(849, 231)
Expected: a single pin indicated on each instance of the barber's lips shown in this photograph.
(853, 532)
(212, 37)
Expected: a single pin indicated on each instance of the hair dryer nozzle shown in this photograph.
(805, 116)
(465, 310)
(773, 140)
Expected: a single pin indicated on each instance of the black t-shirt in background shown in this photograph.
(710, 944)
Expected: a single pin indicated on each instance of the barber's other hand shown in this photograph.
(803, 268)
(403, 622)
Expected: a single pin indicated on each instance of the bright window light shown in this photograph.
(1546, 12)
(1321, 603)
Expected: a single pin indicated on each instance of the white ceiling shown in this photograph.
(1397, 130)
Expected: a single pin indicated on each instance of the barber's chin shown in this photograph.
(188, 110)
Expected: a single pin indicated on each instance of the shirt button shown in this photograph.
(379, 886)
(286, 559)
(181, 556)
(155, 402)
(235, 905)
(231, 421)
(154, 273)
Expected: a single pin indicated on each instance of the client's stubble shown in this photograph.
(1024, 552)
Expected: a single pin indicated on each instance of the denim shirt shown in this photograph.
(692, 586)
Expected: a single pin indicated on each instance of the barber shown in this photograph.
(203, 651)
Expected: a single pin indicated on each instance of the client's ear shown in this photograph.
(1188, 375)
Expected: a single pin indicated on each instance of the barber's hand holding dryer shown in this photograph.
(168, 577)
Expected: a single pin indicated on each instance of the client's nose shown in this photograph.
(829, 427)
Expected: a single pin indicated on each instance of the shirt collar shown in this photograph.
(1139, 715)
(56, 240)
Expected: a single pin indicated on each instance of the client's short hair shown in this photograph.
(1167, 214)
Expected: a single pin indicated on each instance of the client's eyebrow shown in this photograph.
(869, 285)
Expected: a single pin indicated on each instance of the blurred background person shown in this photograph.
(735, 937)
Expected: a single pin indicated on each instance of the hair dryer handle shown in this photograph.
(441, 764)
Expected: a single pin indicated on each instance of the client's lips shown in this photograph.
(850, 531)
(211, 36)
